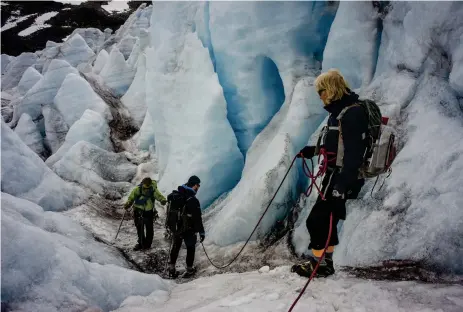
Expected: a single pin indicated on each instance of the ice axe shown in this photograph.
(125, 210)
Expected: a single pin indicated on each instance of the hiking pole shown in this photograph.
(125, 210)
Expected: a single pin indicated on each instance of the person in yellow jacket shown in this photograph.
(142, 198)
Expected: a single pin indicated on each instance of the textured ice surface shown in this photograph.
(30, 135)
(75, 96)
(116, 73)
(50, 264)
(30, 77)
(44, 91)
(103, 172)
(186, 103)
(16, 68)
(135, 97)
(25, 175)
(260, 51)
(268, 160)
(91, 128)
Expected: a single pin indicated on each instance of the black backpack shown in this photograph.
(177, 220)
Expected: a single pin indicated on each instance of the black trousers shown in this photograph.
(144, 219)
(190, 242)
(318, 222)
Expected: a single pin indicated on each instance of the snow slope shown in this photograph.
(276, 289)
(42, 257)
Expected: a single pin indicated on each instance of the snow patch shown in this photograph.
(39, 23)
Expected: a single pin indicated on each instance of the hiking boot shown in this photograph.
(305, 269)
(189, 272)
(137, 247)
(173, 274)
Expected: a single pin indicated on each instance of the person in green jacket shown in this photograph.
(142, 198)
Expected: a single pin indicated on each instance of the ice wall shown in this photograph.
(185, 99)
(261, 49)
(416, 215)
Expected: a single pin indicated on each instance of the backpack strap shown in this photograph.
(340, 152)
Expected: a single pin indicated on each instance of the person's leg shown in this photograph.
(148, 220)
(190, 242)
(174, 250)
(318, 225)
(138, 220)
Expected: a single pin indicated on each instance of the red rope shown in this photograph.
(323, 166)
(316, 267)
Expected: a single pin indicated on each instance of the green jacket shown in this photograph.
(149, 203)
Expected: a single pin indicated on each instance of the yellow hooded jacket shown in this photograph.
(149, 203)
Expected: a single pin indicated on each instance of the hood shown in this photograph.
(337, 106)
(186, 190)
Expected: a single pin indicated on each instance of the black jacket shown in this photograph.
(354, 123)
(193, 207)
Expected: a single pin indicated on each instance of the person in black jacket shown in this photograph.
(192, 224)
(341, 181)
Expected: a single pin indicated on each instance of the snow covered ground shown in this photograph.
(276, 289)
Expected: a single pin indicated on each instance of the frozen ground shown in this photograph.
(276, 289)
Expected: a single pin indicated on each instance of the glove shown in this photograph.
(307, 152)
(337, 195)
(201, 238)
(163, 202)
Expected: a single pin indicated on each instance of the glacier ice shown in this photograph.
(45, 266)
(56, 128)
(191, 131)
(62, 229)
(27, 131)
(30, 77)
(6, 59)
(75, 96)
(126, 45)
(25, 175)
(91, 128)
(44, 91)
(94, 37)
(268, 160)
(16, 68)
(135, 97)
(355, 29)
(145, 136)
(103, 172)
(100, 61)
(116, 73)
(259, 59)
(411, 83)
(74, 51)
(137, 21)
